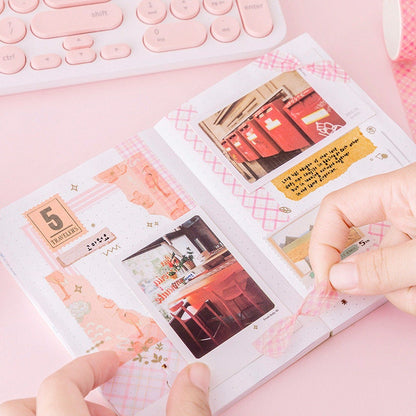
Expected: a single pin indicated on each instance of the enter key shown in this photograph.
(256, 17)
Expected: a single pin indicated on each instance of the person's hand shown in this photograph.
(63, 392)
(390, 269)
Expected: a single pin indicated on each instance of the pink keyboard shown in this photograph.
(50, 43)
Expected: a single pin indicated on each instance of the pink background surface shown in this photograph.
(370, 368)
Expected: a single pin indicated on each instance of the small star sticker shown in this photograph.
(78, 289)
(149, 224)
(255, 327)
(74, 188)
(92, 225)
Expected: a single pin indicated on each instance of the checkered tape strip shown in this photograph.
(134, 145)
(404, 67)
(284, 62)
(140, 383)
(275, 340)
(261, 205)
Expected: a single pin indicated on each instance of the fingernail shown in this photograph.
(344, 276)
(200, 375)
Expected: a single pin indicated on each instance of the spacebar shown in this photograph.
(76, 20)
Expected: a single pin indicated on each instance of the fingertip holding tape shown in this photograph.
(399, 27)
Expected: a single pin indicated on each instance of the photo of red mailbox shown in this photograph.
(279, 127)
(232, 151)
(243, 147)
(254, 135)
(313, 115)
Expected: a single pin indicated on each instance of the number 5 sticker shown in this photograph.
(55, 222)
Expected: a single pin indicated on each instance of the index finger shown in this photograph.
(361, 203)
(63, 392)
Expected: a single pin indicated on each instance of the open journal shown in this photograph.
(190, 241)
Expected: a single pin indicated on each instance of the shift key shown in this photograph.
(76, 20)
(256, 17)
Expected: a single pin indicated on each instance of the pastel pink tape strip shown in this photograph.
(285, 62)
(404, 64)
(275, 340)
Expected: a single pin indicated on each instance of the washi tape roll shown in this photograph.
(399, 26)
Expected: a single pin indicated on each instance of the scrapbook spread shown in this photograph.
(190, 241)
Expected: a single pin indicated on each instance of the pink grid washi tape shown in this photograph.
(275, 340)
(285, 62)
(399, 23)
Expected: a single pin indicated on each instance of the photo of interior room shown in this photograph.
(271, 125)
(198, 286)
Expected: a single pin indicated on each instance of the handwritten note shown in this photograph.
(323, 166)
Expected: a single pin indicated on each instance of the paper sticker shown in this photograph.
(327, 164)
(109, 327)
(86, 247)
(143, 185)
(55, 222)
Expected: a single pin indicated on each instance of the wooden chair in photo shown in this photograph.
(233, 294)
(208, 324)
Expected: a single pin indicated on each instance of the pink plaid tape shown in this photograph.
(285, 62)
(276, 339)
(404, 65)
(140, 382)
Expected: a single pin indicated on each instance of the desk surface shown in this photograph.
(368, 369)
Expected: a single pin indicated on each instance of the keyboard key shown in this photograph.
(78, 42)
(256, 17)
(218, 6)
(62, 4)
(76, 20)
(225, 29)
(12, 60)
(80, 56)
(23, 6)
(12, 30)
(172, 36)
(151, 12)
(184, 9)
(48, 61)
(120, 50)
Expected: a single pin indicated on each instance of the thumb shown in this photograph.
(377, 272)
(189, 393)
